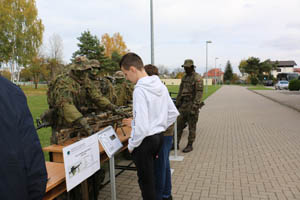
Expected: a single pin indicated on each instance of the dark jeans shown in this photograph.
(162, 170)
(143, 157)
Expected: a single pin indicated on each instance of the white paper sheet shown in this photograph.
(109, 141)
(81, 159)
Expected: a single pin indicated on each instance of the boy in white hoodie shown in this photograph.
(153, 113)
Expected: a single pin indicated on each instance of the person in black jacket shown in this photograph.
(23, 172)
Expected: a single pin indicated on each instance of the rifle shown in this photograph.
(46, 119)
(96, 122)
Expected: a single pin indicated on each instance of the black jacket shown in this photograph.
(23, 174)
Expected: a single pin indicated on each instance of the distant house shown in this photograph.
(297, 70)
(215, 74)
(284, 67)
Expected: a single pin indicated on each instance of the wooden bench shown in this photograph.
(56, 183)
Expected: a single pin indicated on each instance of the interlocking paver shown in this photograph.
(247, 147)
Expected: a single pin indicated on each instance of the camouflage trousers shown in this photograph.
(186, 118)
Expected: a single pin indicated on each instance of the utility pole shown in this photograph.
(216, 70)
(152, 32)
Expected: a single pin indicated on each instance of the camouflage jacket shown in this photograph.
(72, 98)
(190, 91)
(106, 88)
(124, 93)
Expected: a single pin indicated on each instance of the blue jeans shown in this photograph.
(163, 185)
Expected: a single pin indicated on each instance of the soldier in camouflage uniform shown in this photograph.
(123, 89)
(71, 96)
(103, 84)
(188, 103)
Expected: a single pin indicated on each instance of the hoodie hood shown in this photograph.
(152, 84)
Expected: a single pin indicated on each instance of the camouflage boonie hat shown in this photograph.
(80, 59)
(119, 75)
(81, 63)
(188, 63)
(94, 63)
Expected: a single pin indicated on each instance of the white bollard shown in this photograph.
(175, 157)
(112, 177)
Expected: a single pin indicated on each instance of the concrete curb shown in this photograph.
(275, 100)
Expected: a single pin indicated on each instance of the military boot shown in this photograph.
(188, 148)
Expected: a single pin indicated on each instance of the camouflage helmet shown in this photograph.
(94, 63)
(119, 75)
(81, 63)
(188, 63)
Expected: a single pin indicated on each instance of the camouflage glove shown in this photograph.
(118, 111)
(87, 128)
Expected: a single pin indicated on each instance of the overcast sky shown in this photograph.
(238, 29)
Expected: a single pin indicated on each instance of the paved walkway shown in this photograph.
(285, 97)
(247, 147)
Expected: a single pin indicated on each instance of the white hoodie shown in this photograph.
(153, 110)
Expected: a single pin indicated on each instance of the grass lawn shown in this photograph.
(37, 102)
(259, 87)
(210, 90)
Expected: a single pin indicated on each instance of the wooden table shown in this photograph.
(56, 184)
(56, 172)
(56, 153)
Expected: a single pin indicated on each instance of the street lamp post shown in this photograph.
(152, 32)
(216, 70)
(220, 74)
(206, 65)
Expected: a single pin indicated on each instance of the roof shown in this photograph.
(288, 63)
(297, 70)
(214, 72)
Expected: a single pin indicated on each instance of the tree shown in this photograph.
(113, 44)
(36, 70)
(5, 73)
(257, 70)
(266, 67)
(90, 47)
(162, 70)
(242, 66)
(179, 75)
(55, 56)
(228, 74)
(21, 33)
(235, 78)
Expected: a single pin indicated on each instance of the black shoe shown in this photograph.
(169, 198)
(188, 148)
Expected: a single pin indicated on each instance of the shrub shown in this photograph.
(294, 85)
(254, 80)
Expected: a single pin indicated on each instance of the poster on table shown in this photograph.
(109, 141)
(81, 159)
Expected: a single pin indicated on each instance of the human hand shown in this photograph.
(119, 111)
(86, 127)
(194, 109)
(127, 122)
